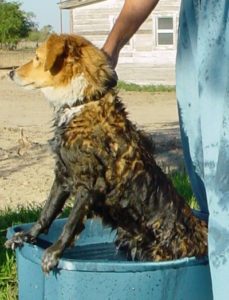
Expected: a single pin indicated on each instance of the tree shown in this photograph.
(40, 35)
(34, 35)
(15, 24)
(46, 31)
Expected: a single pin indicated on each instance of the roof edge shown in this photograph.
(69, 4)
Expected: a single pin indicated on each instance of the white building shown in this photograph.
(153, 46)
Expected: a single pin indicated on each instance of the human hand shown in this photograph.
(111, 57)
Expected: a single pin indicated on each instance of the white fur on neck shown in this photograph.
(68, 94)
(68, 114)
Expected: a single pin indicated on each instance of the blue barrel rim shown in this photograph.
(34, 254)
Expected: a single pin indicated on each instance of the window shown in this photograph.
(165, 31)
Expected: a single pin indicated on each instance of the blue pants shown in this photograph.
(203, 103)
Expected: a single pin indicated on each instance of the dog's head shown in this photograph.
(67, 68)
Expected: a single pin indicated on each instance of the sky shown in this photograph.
(47, 13)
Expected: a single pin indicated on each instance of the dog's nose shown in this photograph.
(11, 74)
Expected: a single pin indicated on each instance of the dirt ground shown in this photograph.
(26, 165)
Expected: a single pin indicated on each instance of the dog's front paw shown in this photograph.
(50, 259)
(18, 240)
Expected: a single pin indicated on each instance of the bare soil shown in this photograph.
(26, 162)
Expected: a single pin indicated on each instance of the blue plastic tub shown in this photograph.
(94, 270)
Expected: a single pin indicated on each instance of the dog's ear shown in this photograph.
(55, 47)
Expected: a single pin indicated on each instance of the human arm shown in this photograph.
(132, 15)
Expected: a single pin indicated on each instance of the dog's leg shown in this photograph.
(52, 208)
(73, 226)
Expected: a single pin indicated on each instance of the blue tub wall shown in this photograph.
(80, 279)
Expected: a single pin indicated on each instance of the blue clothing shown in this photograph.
(203, 102)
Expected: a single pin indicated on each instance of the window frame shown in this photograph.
(173, 31)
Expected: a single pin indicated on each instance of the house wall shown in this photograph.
(96, 20)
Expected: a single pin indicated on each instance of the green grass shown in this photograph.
(183, 186)
(132, 87)
(8, 281)
(8, 277)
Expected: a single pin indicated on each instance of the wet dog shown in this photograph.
(103, 161)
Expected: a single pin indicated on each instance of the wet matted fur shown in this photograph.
(103, 161)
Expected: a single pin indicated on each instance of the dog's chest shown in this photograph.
(72, 145)
(63, 118)
(67, 114)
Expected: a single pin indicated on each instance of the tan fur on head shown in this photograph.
(68, 69)
(53, 52)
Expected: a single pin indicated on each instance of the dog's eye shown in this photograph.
(36, 57)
